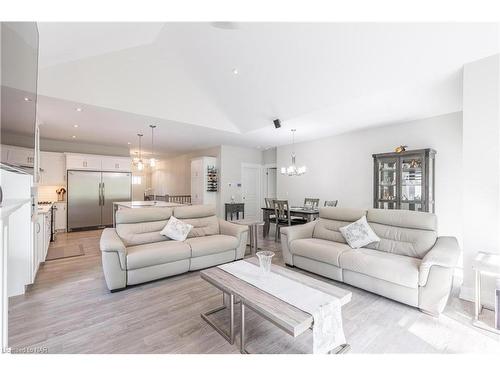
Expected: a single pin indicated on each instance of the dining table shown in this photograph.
(309, 214)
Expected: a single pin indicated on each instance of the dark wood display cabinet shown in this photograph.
(405, 180)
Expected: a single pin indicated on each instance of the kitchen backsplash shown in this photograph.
(48, 193)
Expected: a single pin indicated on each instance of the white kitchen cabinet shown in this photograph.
(98, 163)
(43, 232)
(18, 155)
(53, 168)
(40, 243)
(83, 162)
(60, 216)
(117, 164)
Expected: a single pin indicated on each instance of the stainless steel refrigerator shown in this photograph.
(91, 196)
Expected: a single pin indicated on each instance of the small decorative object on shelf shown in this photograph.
(401, 149)
(404, 180)
(60, 194)
(212, 178)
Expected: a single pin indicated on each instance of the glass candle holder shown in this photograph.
(265, 258)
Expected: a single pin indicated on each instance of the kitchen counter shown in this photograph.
(44, 209)
(143, 204)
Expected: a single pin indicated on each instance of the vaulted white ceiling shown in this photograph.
(322, 79)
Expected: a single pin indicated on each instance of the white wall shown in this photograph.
(341, 167)
(269, 156)
(230, 171)
(481, 160)
(173, 176)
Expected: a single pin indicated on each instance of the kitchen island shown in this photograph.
(141, 204)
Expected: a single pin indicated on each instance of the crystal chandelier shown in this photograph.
(293, 170)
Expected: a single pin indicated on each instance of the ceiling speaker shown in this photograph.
(277, 123)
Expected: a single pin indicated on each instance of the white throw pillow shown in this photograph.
(359, 233)
(176, 229)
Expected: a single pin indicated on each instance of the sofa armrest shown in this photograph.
(289, 234)
(236, 230)
(110, 241)
(298, 231)
(232, 229)
(445, 253)
(114, 259)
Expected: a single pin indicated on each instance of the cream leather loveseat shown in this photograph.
(410, 264)
(135, 252)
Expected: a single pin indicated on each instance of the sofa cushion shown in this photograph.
(194, 211)
(207, 245)
(398, 269)
(327, 229)
(203, 226)
(403, 218)
(141, 233)
(331, 219)
(156, 253)
(140, 215)
(318, 249)
(348, 215)
(403, 232)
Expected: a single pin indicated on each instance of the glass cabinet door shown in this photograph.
(412, 188)
(387, 183)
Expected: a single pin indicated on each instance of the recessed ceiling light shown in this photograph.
(75, 126)
(73, 136)
(78, 109)
(129, 143)
(235, 71)
(26, 99)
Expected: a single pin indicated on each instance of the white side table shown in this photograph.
(484, 263)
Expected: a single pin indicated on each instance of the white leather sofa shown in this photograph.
(410, 264)
(135, 252)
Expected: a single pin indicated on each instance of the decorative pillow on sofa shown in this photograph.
(359, 233)
(176, 229)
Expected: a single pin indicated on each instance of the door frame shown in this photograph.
(264, 179)
(259, 192)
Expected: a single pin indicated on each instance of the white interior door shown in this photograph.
(251, 190)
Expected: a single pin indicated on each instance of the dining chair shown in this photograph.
(311, 202)
(283, 217)
(331, 203)
(269, 202)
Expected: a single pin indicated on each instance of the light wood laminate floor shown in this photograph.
(70, 310)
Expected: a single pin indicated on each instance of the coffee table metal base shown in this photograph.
(342, 349)
(229, 336)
